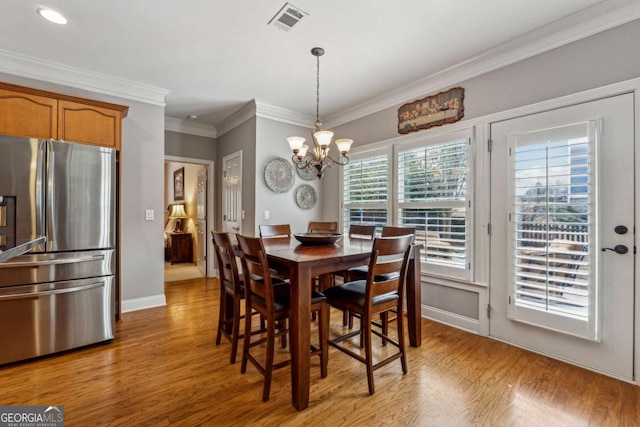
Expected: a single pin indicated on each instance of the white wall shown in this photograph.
(191, 146)
(271, 143)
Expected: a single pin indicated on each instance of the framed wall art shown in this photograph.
(436, 110)
(178, 184)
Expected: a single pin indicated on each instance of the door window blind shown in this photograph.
(552, 199)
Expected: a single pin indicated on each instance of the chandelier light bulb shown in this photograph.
(295, 142)
(344, 145)
(323, 137)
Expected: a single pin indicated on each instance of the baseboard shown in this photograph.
(136, 304)
(451, 319)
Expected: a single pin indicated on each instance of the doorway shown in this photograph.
(197, 202)
(562, 241)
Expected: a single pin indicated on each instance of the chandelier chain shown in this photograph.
(317, 88)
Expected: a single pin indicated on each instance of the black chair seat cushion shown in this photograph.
(360, 273)
(353, 293)
(282, 296)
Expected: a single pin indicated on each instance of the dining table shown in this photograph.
(302, 263)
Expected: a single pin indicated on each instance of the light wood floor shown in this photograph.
(164, 369)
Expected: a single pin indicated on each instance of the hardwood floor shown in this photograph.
(164, 368)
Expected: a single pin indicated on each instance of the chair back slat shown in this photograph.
(227, 265)
(388, 265)
(322, 227)
(390, 231)
(363, 232)
(279, 230)
(257, 277)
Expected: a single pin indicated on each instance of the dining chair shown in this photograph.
(356, 232)
(360, 273)
(362, 232)
(231, 288)
(273, 304)
(279, 230)
(382, 291)
(322, 227)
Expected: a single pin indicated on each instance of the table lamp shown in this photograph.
(177, 211)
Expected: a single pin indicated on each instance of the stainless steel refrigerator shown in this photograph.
(57, 206)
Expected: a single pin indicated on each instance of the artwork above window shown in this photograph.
(436, 110)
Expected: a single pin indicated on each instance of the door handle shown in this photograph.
(619, 249)
(236, 228)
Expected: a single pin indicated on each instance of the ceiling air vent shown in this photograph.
(287, 17)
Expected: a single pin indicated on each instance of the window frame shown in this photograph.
(359, 155)
(392, 148)
(467, 134)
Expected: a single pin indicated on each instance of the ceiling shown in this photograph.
(214, 56)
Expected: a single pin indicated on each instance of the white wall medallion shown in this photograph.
(305, 173)
(306, 197)
(278, 175)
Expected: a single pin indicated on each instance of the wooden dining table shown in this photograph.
(303, 263)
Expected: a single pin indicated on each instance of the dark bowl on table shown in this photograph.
(317, 238)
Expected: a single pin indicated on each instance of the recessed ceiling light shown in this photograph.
(52, 16)
(193, 117)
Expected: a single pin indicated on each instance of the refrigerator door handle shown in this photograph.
(51, 261)
(51, 292)
(40, 194)
(50, 182)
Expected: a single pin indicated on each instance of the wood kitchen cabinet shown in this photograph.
(39, 114)
(28, 115)
(86, 123)
(181, 248)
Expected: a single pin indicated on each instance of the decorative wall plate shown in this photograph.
(306, 196)
(307, 174)
(278, 175)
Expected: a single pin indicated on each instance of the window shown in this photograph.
(366, 188)
(433, 197)
(428, 189)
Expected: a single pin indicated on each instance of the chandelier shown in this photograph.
(318, 157)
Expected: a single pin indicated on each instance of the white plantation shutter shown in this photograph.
(553, 227)
(433, 198)
(366, 190)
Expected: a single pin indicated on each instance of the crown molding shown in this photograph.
(53, 72)
(257, 108)
(598, 18)
(189, 127)
(283, 115)
(246, 112)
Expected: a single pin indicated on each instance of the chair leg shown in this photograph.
(366, 332)
(384, 322)
(268, 366)
(323, 329)
(221, 314)
(401, 342)
(235, 329)
(282, 325)
(247, 339)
